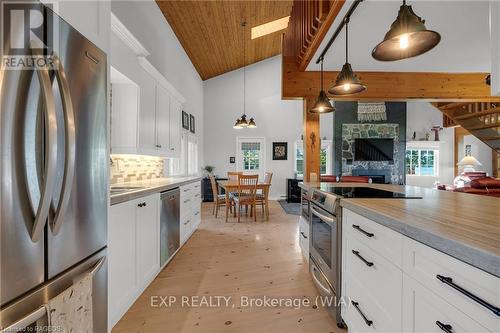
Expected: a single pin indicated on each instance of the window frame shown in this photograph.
(325, 144)
(420, 149)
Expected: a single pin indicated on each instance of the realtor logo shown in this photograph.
(27, 35)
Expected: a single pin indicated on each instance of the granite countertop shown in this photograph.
(150, 186)
(464, 226)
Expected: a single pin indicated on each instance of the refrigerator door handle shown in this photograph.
(50, 148)
(70, 148)
(21, 324)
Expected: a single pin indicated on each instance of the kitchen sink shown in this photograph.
(124, 189)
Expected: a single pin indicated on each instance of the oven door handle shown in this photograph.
(327, 219)
(318, 283)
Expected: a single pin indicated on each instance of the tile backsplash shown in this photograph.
(128, 168)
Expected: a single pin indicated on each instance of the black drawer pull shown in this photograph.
(444, 327)
(143, 204)
(367, 321)
(366, 233)
(368, 263)
(303, 235)
(449, 281)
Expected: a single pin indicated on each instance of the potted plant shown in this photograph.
(208, 169)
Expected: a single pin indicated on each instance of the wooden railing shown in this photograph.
(309, 23)
(482, 119)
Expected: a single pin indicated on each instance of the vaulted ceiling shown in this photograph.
(212, 35)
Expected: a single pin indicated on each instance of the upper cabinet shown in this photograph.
(91, 18)
(495, 47)
(159, 114)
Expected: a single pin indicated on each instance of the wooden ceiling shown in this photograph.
(212, 35)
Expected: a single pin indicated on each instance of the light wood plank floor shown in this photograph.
(253, 259)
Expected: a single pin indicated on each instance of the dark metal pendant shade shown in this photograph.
(408, 37)
(347, 83)
(322, 104)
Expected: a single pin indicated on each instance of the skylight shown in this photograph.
(270, 27)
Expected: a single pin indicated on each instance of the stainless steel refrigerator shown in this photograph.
(54, 170)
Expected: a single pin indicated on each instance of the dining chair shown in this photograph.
(232, 176)
(262, 197)
(247, 188)
(219, 199)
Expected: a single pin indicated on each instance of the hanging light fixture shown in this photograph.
(408, 37)
(322, 104)
(347, 83)
(242, 122)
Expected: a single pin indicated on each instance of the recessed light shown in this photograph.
(270, 27)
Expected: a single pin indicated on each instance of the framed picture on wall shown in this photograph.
(185, 120)
(280, 151)
(191, 124)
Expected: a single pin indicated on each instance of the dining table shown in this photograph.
(232, 186)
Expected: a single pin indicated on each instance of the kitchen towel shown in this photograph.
(71, 310)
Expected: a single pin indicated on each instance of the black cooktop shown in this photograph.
(365, 192)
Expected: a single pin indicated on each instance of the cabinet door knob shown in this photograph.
(158, 146)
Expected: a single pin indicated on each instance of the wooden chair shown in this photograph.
(262, 197)
(219, 199)
(247, 189)
(232, 176)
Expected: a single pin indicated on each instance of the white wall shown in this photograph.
(480, 151)
(420, 117)
(146, 22)
(277, 120)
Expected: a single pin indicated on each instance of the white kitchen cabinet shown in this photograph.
(91, 18)
(175, 127)
(148, 247)
(147, 115)
(190, 210)
(304, 237)
(134, 250)
(124, 118)
(424, 311)
(162, 121)
(122, 266)
(403, 285)
(495, 47)
(159, 115)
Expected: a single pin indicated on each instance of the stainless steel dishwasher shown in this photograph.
(169, 224)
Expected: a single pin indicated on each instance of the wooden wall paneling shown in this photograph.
(311, 140)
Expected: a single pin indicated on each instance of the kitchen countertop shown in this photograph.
(149, 186)
(464, 226)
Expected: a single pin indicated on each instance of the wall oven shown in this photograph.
(325, 248)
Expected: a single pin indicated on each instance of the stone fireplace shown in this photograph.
(347, 128)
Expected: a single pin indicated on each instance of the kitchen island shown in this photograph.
(419, 265)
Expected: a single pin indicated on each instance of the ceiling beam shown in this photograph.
(391, 86)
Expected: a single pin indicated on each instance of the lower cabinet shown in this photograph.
(190, 210)
(405, 286)
(304, 237)
(133, 247)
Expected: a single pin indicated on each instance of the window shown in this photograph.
(251, 155)
(177, 166)
(422, 162)
(325, 157)
(192, 154)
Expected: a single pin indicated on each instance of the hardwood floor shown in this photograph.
(253, 259)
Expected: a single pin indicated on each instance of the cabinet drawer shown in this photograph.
(424, 311)
(186, 190)
(372, 314)
(186, 227)
(443, 275)
(378, 284)
(380, 239)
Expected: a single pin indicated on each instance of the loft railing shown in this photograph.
(308, 24)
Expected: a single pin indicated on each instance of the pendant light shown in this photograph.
(347, 83)
(408, 37)
(322, 104)
(242, 122)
